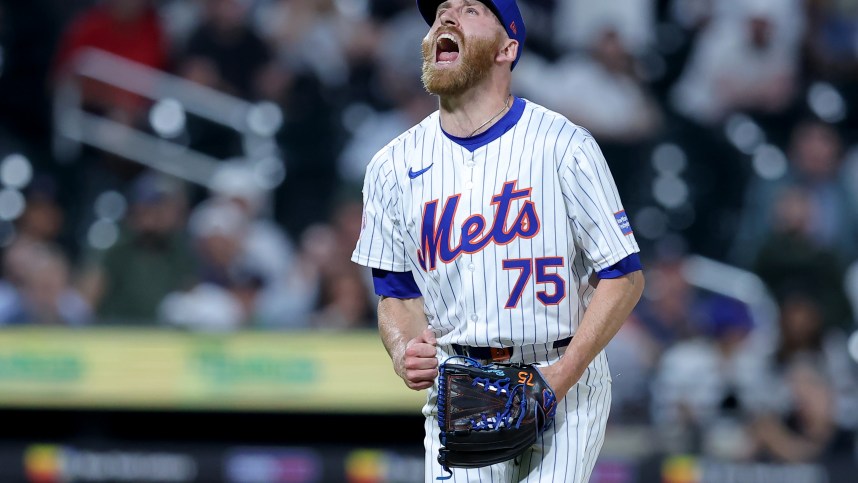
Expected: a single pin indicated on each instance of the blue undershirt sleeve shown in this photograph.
(631, 263)
(400, 285)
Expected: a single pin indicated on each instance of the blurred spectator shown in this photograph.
(326, 255)
(217, 229)
(38, 288)
(370, 134)
(346, 223)
(691, 15)
(179, 18)
(207, 307)
(541, 27)
(746, 59)
(803, 336)
(319, 48)
(130, 29)
(792, 256)
(579, 24)
(398, 76)
(311, 138)
(815, 163)
(830, 51)
(671, 309)
(385, 9)
(224, 52)
(317, 254)
(152, 257)
(266, 248)
(43, 218)
(663, 317)
(609, 99)
(232, 276)
(329, 50)
(680, 23)
(704, 386)
(633, 357)
(344, 304)
(315, 37)
(600, 89)
(267, 244)
(807, 431)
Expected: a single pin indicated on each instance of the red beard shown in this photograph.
(476, 59)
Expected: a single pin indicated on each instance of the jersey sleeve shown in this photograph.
(596, 215)
(381, 244)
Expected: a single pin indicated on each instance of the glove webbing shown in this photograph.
(484, 424)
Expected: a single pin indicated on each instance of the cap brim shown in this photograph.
(429, 8)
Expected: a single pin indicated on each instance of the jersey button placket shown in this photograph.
(469, 184)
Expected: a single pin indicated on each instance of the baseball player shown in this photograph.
(494, 230)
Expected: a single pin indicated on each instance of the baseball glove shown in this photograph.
(490, 413)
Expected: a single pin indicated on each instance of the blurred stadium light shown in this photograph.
(257, 124)
(745, 134)
(16, 171)
(826, 102)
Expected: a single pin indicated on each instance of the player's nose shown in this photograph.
(449, 17)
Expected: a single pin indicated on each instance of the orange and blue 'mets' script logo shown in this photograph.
(435, 232)
(623, 222)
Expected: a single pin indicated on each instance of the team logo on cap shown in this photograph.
(513, 27)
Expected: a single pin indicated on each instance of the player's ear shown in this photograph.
(508, 51)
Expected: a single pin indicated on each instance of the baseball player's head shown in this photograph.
(468, 39)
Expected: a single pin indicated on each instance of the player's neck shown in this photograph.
(474, 111)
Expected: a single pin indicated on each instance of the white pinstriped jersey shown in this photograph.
(501, 241)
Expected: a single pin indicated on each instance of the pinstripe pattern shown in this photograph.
(545, 164)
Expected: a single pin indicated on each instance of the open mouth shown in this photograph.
(446, 49)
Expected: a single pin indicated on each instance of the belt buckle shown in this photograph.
(501, 354)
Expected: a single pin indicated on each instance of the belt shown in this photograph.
(498, 354)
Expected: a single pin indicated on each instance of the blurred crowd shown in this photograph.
(729, 125)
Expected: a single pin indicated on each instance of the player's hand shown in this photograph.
(557, 379)
(419, 366)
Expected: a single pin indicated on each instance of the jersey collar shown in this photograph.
(497, 130)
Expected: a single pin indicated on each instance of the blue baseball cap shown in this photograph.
(505, 10)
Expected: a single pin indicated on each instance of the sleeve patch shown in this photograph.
(623, 222)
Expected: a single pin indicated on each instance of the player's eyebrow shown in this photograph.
(468, 3)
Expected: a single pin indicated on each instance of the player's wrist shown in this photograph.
(567, 372)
